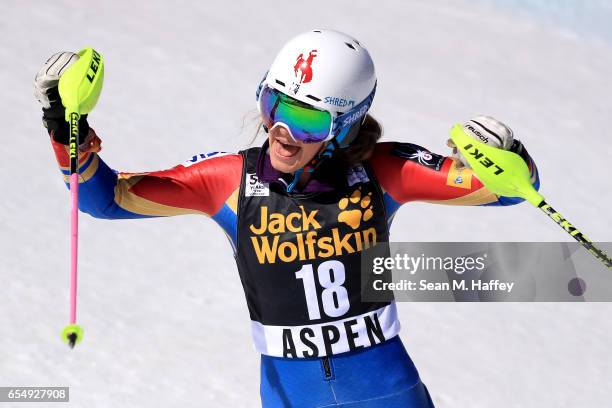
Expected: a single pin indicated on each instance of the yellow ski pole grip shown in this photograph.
(80, 86)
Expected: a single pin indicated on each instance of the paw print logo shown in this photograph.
(355, 209)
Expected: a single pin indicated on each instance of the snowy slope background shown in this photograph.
(160, 300)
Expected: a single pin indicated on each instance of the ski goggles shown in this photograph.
(306, 123)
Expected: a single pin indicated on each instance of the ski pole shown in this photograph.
(505, 173)
(79, 89)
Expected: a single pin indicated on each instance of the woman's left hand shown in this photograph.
(490, 131)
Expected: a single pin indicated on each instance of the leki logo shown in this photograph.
(486, 161)
(304, 66)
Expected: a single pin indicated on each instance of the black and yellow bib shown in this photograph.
(299, 261)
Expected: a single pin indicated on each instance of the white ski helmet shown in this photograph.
(328, 70)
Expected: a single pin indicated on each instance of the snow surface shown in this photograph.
(160, 300)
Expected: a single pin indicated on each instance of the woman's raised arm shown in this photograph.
(202, 185)
(408, 172)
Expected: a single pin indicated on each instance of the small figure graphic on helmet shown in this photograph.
(305, 67)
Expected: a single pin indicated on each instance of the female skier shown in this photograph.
(298, 211)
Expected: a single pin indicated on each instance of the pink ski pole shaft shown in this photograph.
(74, 242)
(73, 333)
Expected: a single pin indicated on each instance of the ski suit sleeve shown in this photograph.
(407, 172)
(207, 184)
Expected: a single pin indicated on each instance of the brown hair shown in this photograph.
(362, 147)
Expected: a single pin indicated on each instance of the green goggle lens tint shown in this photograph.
(307, 124)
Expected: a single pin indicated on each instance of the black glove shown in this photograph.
(55, 122)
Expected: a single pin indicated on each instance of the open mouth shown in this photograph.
(285, 150)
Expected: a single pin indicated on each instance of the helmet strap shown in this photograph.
(325, 152)
(296, 177)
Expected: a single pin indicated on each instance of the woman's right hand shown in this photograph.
(46, 92)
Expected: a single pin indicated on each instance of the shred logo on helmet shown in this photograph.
(304, 66)
(339, 102)
(355, 116)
